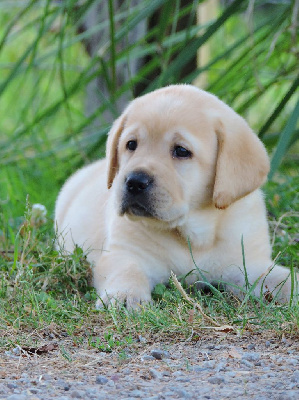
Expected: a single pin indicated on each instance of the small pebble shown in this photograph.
(126, 371)
(251, 356)
(137, 393)
(292, 361)
(177, 373)
(216, 380)
(292, 386)
(254, 378)
(101, 380)
(91, 391)
(148, 358)
(141, 339)
(11, 385)
(295, 377)
(159, 354)
(16, 351)
(209, 364)
(198, 368)
(34, 390)
(77, 394)
(220, 367)
(64, 385)
(181, 393)
(168, 394)
(154, 373)
(247, 363)
(279, 385)
(231, 374)
(46, 377)
(182, 379)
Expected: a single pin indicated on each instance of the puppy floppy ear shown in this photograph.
(112, 148)
(242, 162)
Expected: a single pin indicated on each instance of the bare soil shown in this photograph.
(208, 365)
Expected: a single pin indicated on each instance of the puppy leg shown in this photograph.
(121, 280)
(273, 282)
(278, 283)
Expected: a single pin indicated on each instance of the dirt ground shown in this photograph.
(208, 365)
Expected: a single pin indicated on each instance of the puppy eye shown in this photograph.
(181, 152)
(132, 145)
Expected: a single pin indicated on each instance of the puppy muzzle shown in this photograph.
(137, 194)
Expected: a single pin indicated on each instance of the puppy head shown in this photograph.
(179, 149)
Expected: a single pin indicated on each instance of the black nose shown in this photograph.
(137, 182)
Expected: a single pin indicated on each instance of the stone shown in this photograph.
(295, 377)
(216, 380)
(17, 397)
(159, 354)
(77, 394)
(251, 357)
(154, 373)
(248, 364)
(101, 380)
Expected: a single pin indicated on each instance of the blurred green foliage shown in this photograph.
(45, 130)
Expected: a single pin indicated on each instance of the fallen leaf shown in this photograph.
(40, 350)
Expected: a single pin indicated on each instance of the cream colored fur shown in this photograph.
(211, 200)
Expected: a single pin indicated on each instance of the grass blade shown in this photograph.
(112, 46)
(189, 51)
(279, 108)
(284, 140)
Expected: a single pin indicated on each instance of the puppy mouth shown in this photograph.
(136, 208)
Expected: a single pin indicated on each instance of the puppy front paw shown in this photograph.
(130, 299)
(279, 285)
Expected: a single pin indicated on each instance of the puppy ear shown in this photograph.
(242, 162)
(112, 148)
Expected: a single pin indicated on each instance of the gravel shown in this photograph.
(232, 366)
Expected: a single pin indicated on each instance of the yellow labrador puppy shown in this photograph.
(182, 167)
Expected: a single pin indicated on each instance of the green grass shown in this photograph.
(41, 290)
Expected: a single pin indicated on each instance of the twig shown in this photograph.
(191, 301)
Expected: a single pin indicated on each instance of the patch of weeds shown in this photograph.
(164, 294)
(109, 342)
(123, 356)
(38, 285)
(65, 354)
